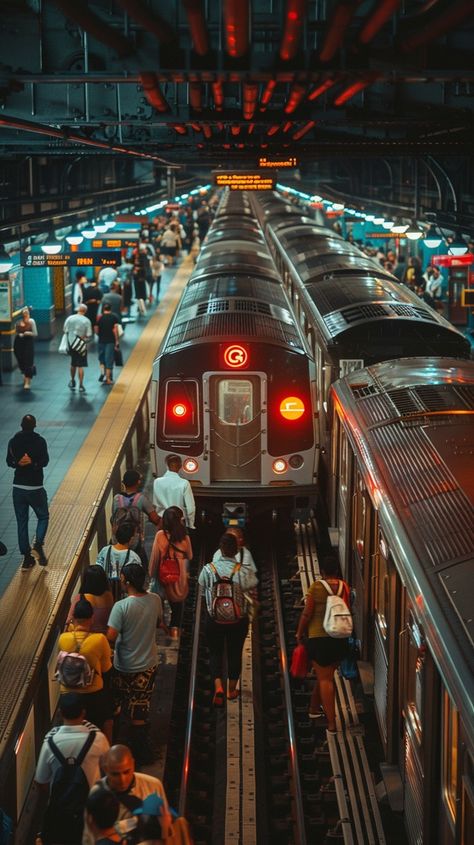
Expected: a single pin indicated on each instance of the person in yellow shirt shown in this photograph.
(96, 649)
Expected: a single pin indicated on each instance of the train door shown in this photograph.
(360, 570)
(235, 426)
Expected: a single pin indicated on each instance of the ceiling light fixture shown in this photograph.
(399, 227)
(370, 217)
(74, 238)
(51, 245)
(458, 246)
(413, 233)
(378, 221)
(432, 238)
(88, 231)
(388, 222)
(101, 227)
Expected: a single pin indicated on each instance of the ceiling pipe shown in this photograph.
(267, 94)
(273, 129)
(286, 126)
(294, 21)
(195, 95)
(249, 99)
(235, 129)
(197, 26)
(152, 91)
(179, 128)
(64, 135)
(218, 94)
(80, 14)
(295, 97)
(337, 26)
(207, 130)
(236, 26)
(377, 19)
(152, 22)
(353, 89)
(304, 130)
(321, 89)
(450, 17)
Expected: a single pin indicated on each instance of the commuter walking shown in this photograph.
(172, 490)
(132, 629)
(95, 588)
(102, 811)
(78, 331)
(76, 738)
(107, 332)
(91, 296)
(114, 298)
(24, 347)
(173, 543)
(324, 652)
(225, 584)
(27, 454)
(131, 506)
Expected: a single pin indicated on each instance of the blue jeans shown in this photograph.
(106, 355)
(23, 500)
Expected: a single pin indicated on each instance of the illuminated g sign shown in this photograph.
(235, 356)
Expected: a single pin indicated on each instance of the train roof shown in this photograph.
(231, 232)
(411, 422)
(235, 255)
(318, 262)
(233, 305)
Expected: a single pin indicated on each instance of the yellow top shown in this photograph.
(96, 650)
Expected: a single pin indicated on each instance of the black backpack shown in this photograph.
(64, 818)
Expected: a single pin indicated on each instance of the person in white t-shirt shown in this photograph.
(173, 491)
(78, 325)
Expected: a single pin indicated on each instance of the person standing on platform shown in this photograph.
(91, 296)
(107, 276)
(172, 490)
(27, 453)
(114, 298)
(102, 810)
(107, 332)
(78, 326)
(137, 504)
(24, 347)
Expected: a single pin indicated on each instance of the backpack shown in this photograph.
(226, 598)
(337, 618)
(64, 818)
(72, 668)
(127, 513)
(168, 571)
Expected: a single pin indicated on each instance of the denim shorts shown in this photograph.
(106, 355)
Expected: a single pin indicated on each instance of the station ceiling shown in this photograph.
(193, 82)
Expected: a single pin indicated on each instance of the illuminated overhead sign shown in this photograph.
(382, 235)
(292, 408)
(71, 259)
(245, 180)
(235, 356)
(114, 243)
(280, 163)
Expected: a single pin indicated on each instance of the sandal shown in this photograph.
(319, 714)
(219, 698)
(233, 694)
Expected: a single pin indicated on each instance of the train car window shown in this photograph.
(415, 681)
(467, 806)
(181, 409)
(382, 597)
(343, 463)
(450, 755)
(235, 401)
(360, 516)
(327, 384)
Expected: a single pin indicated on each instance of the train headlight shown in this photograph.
(279, 466)
(190, 465)
(180, 410)
(296, 461)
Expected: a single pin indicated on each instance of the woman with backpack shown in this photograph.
(95, 588)
(325, 652)
(225, 583)
(172, 544)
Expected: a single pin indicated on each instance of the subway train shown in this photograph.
(352, 312)
(402, 474)
(233, 382)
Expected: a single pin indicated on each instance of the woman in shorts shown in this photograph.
(324, 652)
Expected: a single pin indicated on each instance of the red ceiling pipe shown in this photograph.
(218, 94)
(207, 130)
(152, 22)
(195, 96)
(286, 126)
(197, 26)
(235, 130)
(95, 26)
(294, 20)
(249, 99)
(376, 20)
(352, 89)
(337, 25)
(304, 130)
(179, 128)
(451, 16)
(236, 26)
(196, 127)
(295, 97)
(324, 86)
(65, 135)
(152, 91)
(273, 129)
(267, 94)
(250, 128)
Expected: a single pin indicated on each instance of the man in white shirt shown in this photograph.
(173, 491)
(78, 326)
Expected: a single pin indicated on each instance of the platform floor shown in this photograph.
(64, 418)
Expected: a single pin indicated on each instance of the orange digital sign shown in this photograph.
(245, 180)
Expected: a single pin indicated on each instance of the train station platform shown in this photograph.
(64, 418)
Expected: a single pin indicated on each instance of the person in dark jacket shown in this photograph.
(27, 453)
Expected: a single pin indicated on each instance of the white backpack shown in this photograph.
(337, 619)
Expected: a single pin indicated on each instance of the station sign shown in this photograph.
(114, 243)
(245, 180)
(278, 164)
(71, 259)
(383, 235)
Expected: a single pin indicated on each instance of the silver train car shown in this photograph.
(403, 474)
(233, 383)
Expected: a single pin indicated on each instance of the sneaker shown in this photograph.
(72, 384)
(28, 561)
(101, 377)
(82, 389)
(39, 554)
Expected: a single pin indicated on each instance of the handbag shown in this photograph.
(299, 662)
(118, 357)
(78, 345)
(63, 348)
(120, 331)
